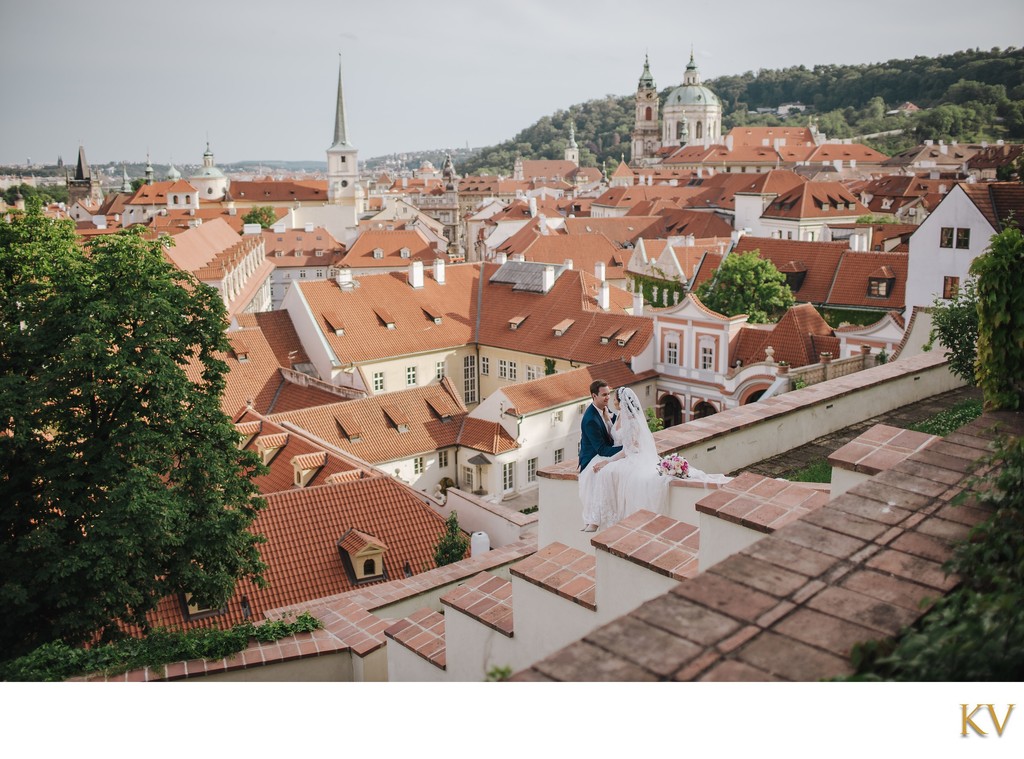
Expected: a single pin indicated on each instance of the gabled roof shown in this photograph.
(815, 200)
(756, 136)
(196, 248)
(391, 243)
(821, 260)
(378, 437)
(997, 200)
(798, 338)
(284, 191)
(621, 230)
(303, 527)
(854, 275)
(719, 191)
(700, 224)
(584, 250)
(627, 197)
(567, 387)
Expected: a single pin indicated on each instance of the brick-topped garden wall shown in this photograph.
(792, 605)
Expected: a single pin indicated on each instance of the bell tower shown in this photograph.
(646, 133)
(342, 158)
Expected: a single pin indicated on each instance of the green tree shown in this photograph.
(452, 545)
(1000, 364)
(121, 476)
(955, 326)
(262, 215)
(745, 283)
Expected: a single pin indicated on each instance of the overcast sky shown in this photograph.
(258, 79)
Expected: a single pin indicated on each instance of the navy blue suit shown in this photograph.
(594, 437)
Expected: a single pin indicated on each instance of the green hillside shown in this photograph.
(969, 96)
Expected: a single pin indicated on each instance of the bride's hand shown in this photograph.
(597, 466)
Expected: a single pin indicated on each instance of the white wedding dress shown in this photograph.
(632, 481)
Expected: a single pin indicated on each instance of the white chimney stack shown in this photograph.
(638, 303)
(251, 229)
(439, 271)
(599, 270)
(728, 142)
(549, 278)
(604, 297)
(568, 264)
(416, 274)
(309, 227)
(344, 277)
(543, 222)
(501, 258)
(533, 207)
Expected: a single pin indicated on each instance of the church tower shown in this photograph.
(645, 131)
(85, 186)
(342, 159)
(572, 153)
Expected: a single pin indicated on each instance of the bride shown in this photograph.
(613, 488)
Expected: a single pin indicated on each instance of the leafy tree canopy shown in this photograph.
(745, 283)
(452, 544)
(122, 478)
(262, 215)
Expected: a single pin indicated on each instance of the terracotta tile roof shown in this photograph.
(365, 428)
(573, 296)
(491, 185)
(700, 224)
(821, 260)
(152, 194)
(996, 200)
(627, 197)
(280, 474)
(284, 191)
(832, 151)
(815, 200)
(584, 250)
(485, 597)
(488, 437)
(719, 191)
(177, 220)
(798, 338)
(297, 247)
(995, 156)
(391, 243)
(280, 334)
(620, 230)
(854, 275)
(303, 526)
(756, 135)
(195, 249)
(566, 387)
(367, 339)
(548, 169)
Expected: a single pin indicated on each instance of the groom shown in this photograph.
(595, 432)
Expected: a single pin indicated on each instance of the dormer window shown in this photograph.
(268, 446)
(378, 253)
(193, 609)
(404, 253)
(515, 321)
(334, 323)
(879, 288)
(563, 326)
(608, 334)
(624, 337)
(362, 556)
(246, 432)
(305, 467)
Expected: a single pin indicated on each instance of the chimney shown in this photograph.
(309, 227)
(728, 142)
(416, 274)
(344, 277)
(838, 163)
(599, 270)
(439, 271)
(568, 264)
(548, 280)
(533, 207)
(278, 227)
(638, 303)
(501, 258)
(604, 297)
(543, 224)
(517, 257)
(251, 229)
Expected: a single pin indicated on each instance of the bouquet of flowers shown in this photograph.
(674, 465)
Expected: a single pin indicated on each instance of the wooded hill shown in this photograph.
(968, 96)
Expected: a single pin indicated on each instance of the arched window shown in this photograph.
(647, 114)
(700, 130)
(188, 200)
(369, 567)
(209, 191)
(175, 200)
(703, 409)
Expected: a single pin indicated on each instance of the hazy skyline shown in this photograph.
(258, 80)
